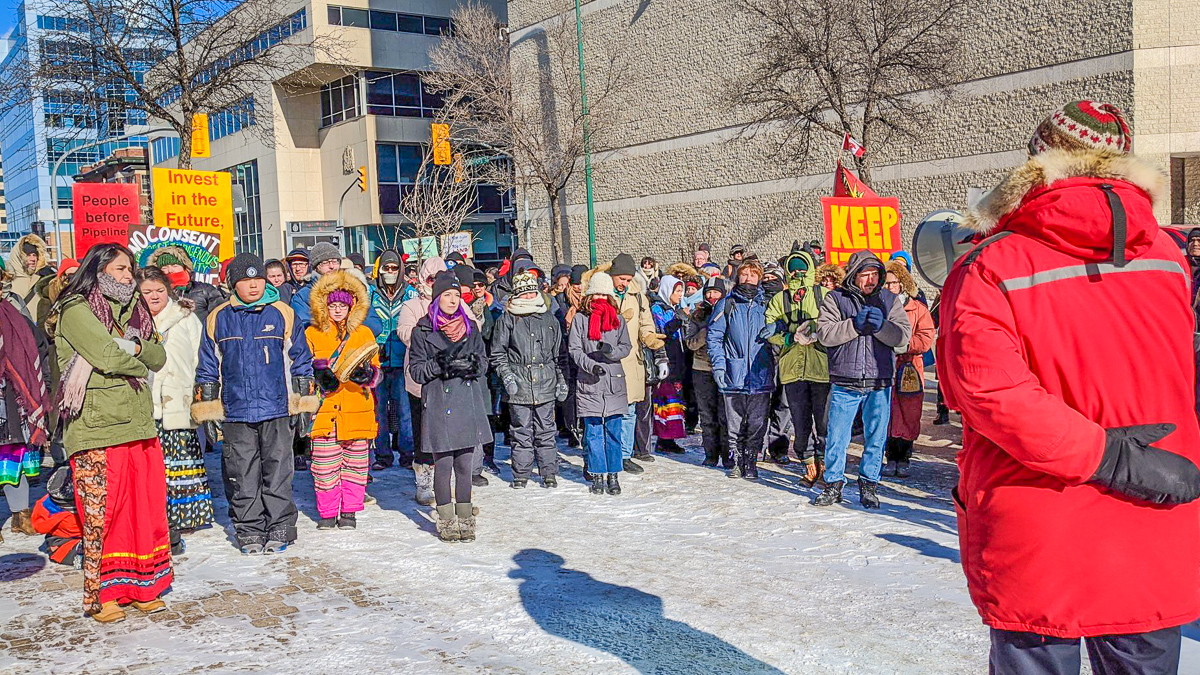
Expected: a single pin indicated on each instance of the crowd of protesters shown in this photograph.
(1077, 469)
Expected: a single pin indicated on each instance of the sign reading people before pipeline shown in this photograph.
(103, 213)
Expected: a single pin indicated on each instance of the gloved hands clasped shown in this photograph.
(1132, 466)
(324, 376)
(868, 321)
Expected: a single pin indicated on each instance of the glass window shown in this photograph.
(385, 159)
(410, 23)
(389, 198)
(408, 159)
(339, 100)
(379, 93)
(408, 89)
(436, 25)
(335, 16)
(359, 18)
(383, 20)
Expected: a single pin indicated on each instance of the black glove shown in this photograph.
(672, 326)
(209, 391)
(324, 377)
(462, 366)
(304, 386)
(1133, 467)
(598, 370)
(605, 351)
(444, 358)
(363, 374)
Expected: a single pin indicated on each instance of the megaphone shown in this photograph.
(939, 241)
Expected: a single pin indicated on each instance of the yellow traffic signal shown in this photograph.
(440, 137)
(362, 178)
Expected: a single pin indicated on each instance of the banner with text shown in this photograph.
(862, 223)
(199, 201)
(103, 213)
(202, 247)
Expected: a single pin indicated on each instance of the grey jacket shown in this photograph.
(861, 361)
(602, 395)
(524, 354)
(695, 336)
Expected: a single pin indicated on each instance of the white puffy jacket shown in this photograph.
(171, 387)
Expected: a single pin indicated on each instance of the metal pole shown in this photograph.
(587, 142)
(342, 201)
(68, 153)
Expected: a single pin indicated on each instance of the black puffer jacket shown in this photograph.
(525, 355)
(206, 296)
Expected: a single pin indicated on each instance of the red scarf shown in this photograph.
(604, 318)
(21, 369)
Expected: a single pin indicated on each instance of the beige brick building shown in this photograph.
(682, 173)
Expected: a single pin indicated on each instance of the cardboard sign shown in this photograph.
(861, 224)
(424, 248)
(200, 201)
(458, 241)
(202, 247)
(103, 213)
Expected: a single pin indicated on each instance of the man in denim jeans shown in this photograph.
(860, 324)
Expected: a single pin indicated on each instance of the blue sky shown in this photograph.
(8, 14)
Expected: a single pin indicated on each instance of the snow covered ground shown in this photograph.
(686, 572)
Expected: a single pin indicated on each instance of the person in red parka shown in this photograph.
(1066, 343)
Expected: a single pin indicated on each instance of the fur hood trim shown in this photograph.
(172, 314)
(1044, 170)
(907, 284)
(682, 270)
(177, 251)
(15, 256)
(830, 270)
(329, 283)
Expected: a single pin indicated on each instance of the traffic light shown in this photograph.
(362, 178)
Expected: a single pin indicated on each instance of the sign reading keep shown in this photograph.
(861, 224)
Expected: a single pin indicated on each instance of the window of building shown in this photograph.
(400, 95)
(247, 226)
(339, 100)
(68, 110)
(389, 21)
(61, 23)
(398, 165)
(164, 148)
(231, 119)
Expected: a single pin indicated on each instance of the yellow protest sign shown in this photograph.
(200, 146)
(861, 224)
(201, 201)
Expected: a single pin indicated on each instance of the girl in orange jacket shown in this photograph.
(346, 423)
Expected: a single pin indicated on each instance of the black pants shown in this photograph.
(691, 412)
(1154, 653)
(712, 416)
(898, 449)
(644, 427)
(456, 465)
(257, 466)
(747, 418)
(419, 455)
(808, 402)
(779, 431)
(532, 436)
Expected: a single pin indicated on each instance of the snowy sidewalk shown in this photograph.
(686, 572)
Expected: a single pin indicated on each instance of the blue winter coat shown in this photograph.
(382, 321)
(254, 352)
(742, 363)
(301, 303)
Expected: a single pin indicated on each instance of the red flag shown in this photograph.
(849, 144)
(846, 184)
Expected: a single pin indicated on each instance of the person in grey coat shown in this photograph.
(526, 342)
(597, 341)
(448, 359)
(860, 324)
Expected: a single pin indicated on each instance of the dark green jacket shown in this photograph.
(113, 413)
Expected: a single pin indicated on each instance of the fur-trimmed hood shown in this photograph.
(342, 279)
(907, 284)
(1042, 171)
(682, 270)
(15, 256)
(177, 251)
(830, 270)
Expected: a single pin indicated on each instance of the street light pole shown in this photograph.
(587, 141)
(68, 153)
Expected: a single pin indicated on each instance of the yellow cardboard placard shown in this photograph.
(195, 200)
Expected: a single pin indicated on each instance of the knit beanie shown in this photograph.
(559, 271)
(297, 254)
(340, 295)
(28, 248)
(1194, 233)
(244, 266)
(323, 251)
(464, 273)
(577, 273)
(622, 265)
(358, 260)
(736, 249)
(525, 283)
(1083, 125)
(67, 265)
(389, 257)
(601, 284)
(165, 259)
(479, 277)
(445, 281)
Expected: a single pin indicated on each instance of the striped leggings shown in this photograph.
(339, 471)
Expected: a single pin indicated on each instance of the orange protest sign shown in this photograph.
(863, 223)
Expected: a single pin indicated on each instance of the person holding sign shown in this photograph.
(860, 323)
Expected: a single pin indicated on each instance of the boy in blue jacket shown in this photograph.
(255, 370)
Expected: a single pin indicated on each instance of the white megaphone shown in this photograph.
(939, 241)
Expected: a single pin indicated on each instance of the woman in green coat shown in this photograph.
(107, 347)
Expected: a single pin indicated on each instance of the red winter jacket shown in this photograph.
(1045, 344)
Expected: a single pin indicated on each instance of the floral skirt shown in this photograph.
(667, 399)
(18, 460)
(189, 502)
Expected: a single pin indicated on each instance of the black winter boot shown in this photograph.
(866, 494)
(520, 483)
(629, 466)
(614, 488)
(943, 416)
(597, 486)
(831, 495)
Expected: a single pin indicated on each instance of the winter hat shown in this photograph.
(67, 265)
(456, 258)
(711, 269)
(559, 271)
(323, 251)
(521, 254)
(464, 273)
(167, 259)
(703, 247)
(297, 254)
(736, 249)
(245, 266)
(601, 284)
(340, 295)
(479, 277)
(1193, 234)
(525, 283)
(715, 284)
(1083, 125)
(445, 281)
(358, 260)
(29, 248)
(622, 265)
(389, 256)
(772, 268)
(577, 273)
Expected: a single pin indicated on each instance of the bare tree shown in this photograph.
(870, 68)
(522, 97)
(168, 60)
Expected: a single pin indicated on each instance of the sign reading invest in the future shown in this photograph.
(195, 200)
